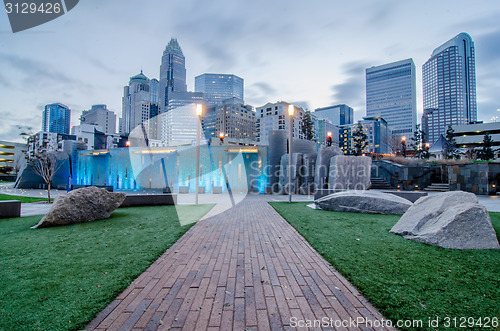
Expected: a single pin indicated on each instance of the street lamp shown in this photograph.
(199, 112)
(221, 137)
(291, 110)
(329, 138)
(403, 146)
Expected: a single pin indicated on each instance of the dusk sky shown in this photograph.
(312, 53)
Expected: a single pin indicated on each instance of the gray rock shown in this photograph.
(81, 205)
(371, 202)
(349, 173)
(450, 220)
(296, 166)
(323, 158)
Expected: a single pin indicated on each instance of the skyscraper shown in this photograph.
(139, 107)
(56, 118)
(391, 94)
(218, 87)
(449, 87)
(338, 114)
(101, 116)
(172, 73)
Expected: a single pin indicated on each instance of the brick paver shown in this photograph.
(244, 269)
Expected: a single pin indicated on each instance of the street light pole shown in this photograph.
(199, 111)
(291, 110)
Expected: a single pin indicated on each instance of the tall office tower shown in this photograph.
(392, 94)
(219, 87)
(172, 73)
(101, 116)
(274, 116)
(449, 87)
(56, 118)
(337, 115)
(138, 106)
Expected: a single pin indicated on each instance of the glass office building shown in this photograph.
(219, 87)
(449, 87)
(337, 115)
(56, 118)
(391, 94)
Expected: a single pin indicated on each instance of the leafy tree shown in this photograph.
(360, 140)
(308, 126)
(42, 160)
(417, 142)
(486, 153)
(451, 151)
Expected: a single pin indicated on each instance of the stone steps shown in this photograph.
(438, 187)
(379, 183)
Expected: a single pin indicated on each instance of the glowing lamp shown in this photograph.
(199, 109)
(329, 134)
(291, 110)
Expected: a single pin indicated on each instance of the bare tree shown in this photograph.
(43, 161)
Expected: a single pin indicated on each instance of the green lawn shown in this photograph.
(5, 181)
(403, 279)
(60, 278)
(23, 199)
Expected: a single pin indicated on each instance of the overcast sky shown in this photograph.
(313, 53)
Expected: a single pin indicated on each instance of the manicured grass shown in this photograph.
(60, 278)
(5, 181)
(403, 279)
(22, 198)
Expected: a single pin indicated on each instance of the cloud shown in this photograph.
(259, 93)
(352, 90)
(487, 48)
(38, 74)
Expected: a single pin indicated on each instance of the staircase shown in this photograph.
(379, 183)
(436, 187)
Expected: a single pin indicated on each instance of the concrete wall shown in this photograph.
(479, 178)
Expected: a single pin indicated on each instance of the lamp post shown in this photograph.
(329, 139)
(403, 146)
(199, 111)
(291, 110)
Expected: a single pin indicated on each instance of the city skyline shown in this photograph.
(297, 60)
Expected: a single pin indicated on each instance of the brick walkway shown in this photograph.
(244, 269)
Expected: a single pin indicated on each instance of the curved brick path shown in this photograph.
(244, 269)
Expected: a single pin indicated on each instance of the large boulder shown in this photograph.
(450, 220)
(371, 202)
(81, 205)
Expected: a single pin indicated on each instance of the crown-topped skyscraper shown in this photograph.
(172, 72)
